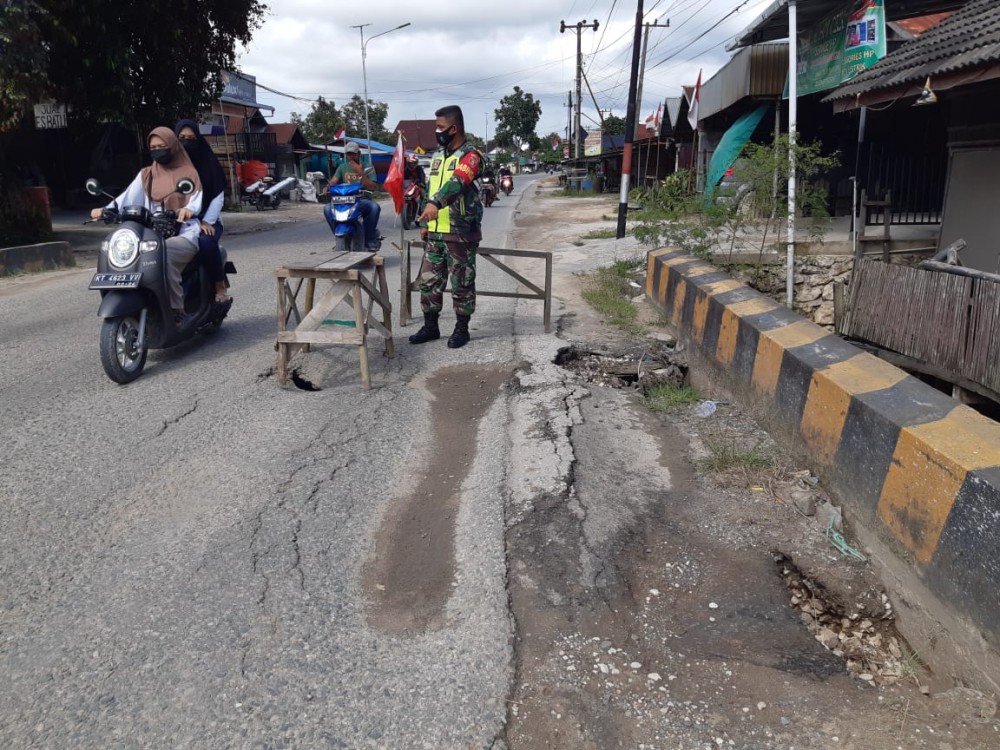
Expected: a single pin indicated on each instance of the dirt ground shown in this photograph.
(721, 616)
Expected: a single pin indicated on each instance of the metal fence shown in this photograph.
(915, 180)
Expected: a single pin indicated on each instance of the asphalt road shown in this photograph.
(181, 558)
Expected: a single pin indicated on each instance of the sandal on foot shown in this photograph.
(221, 298)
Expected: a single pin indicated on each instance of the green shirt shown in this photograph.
(345, 174)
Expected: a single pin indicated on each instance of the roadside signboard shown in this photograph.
(841, 45)
(50, 116)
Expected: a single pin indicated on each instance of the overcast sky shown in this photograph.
(472, 54)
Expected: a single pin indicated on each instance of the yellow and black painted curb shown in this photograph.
(911, 464)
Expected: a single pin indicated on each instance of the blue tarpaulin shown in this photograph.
(731, 146)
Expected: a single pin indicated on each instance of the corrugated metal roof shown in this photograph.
(757, 71)
(917, 26)
(773, 22)
(968, 38)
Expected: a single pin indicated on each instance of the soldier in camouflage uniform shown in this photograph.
(451, 226)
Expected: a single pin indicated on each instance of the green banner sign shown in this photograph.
(841, 45)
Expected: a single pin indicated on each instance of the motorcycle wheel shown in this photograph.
(506, 191)
(408, 211)
(121, 361)
(275, 201)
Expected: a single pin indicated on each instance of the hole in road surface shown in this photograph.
(644, 367)
(865, 637)
(302, 383)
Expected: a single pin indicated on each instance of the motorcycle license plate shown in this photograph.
(115, 280)
(341, 199)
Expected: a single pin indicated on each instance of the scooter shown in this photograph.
(488, 191)
(412, 197)
(506, 184)
(345, 204)
(264, 193)
(135, 299)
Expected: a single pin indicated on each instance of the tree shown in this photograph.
(614, 125)
(354, 119)
(143, 64)
(548, 151)
(322, 122)
(22, 59)
(517, 116)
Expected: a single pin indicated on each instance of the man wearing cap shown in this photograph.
(353, 170)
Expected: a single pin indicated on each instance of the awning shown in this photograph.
(731, 145)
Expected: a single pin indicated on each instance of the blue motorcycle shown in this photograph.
(345, 206)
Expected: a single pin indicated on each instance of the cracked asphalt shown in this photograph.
(182, 558)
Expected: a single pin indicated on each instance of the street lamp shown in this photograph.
(364, 74)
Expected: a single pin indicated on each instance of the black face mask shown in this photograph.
(443, 137)
(160, 155)
(190, 145)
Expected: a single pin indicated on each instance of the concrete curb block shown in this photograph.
(31, 258)
(914, 468)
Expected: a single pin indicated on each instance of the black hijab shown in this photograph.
(213, 180)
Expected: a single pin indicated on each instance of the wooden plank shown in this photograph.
(291, 302)
(514, 253)
(310, 298)
(326, 335)
(366, 377)
(374, 294)
(515, 275)
(312, 273)
(333, 297)
(340, 262)
(346, 262)
(383, 286)
(547, 302)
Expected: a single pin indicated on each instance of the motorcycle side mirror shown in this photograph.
(93, 186)
(185, 186)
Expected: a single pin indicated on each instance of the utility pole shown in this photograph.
(578, 28)
(569, 116)
(629, 124)
(645, 49)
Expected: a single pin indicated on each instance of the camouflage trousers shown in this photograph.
(444, 258)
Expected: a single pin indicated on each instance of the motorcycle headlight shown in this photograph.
(123, 247)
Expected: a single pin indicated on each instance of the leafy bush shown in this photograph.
(702, 225)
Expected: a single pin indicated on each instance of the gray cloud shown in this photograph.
(468, 55)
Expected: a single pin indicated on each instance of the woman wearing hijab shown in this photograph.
(155, 187)
(213, 185)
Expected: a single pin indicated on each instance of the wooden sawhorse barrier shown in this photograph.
(408, 284)
(346, 272)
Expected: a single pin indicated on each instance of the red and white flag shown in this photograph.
(693, 104)
(656, 122)
(394, 178)
(340, 133)
(555, 143)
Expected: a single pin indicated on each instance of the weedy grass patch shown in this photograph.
(600, 234)
(609, 290)
(667, 397)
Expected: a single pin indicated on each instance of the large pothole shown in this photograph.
(864, 636)
(636, 368)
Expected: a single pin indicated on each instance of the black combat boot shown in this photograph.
(429, 331)
(460, 336)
